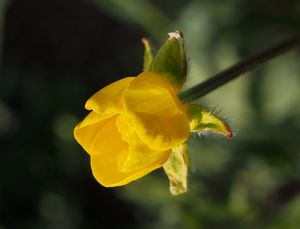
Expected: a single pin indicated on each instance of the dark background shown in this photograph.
(56, 54)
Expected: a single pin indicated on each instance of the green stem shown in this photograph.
(236, 70)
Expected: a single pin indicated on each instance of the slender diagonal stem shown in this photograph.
(237, 70)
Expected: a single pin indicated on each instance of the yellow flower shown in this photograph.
(138, 124)
(133, 125)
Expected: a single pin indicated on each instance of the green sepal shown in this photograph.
(176, 168)
(202, 120)
(170, 60)
(148, 55)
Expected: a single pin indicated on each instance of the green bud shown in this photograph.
(170, 60)
(176, 168)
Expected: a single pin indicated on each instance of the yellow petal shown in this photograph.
(139, 154)
(108, 174)
(86, 131)
(158, 115)
(108, 143)
(109, 99)
(107, 149)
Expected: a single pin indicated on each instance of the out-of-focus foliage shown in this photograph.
(55, 54)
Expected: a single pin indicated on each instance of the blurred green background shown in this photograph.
(56, 53)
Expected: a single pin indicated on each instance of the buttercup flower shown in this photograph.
(138, 124)
(133, 125)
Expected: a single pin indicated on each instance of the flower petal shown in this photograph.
(108, 174)
(107, 149)
(158, 115)
(86, 131)
(109, 99)
(108, 143)
(139, 154)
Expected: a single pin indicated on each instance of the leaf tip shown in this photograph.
(177, 35)
(229, 133)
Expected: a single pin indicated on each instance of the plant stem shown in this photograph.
(236, 70)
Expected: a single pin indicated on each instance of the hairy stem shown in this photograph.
(236, 70)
